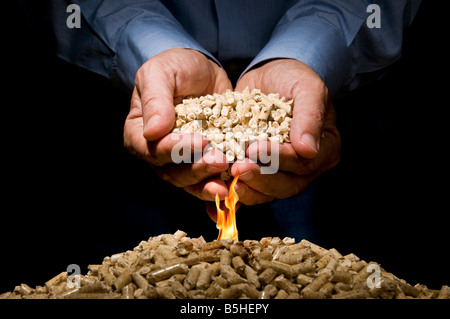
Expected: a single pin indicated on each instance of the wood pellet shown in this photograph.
(232, 120)
(174, 266)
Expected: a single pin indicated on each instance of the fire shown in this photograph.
(226, 222)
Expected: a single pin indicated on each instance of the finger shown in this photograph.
(278, 185)
(182, 175)
(283, 157)
(211, 209)
(155, 83)
(207, 190)
(246, 194)
(177, 148)
(245, 83)
(308, 117)
(171, 148)
(250, 196)
(134, 141)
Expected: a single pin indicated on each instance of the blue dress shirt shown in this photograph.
(331, 36)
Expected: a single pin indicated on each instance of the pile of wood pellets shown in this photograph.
(174, 266)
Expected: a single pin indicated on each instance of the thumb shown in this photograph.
(156, 89)
(308, 116)
(211, 209)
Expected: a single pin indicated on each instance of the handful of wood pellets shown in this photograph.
(174, 266)
(232, 120)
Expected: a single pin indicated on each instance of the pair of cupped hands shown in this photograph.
(167, 78)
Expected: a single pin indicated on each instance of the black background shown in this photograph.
(65, 173)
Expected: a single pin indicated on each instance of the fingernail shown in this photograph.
(309, 140)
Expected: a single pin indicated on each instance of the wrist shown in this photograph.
(314, 42)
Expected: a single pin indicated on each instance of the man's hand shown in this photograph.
(315, 140)
(161, 82)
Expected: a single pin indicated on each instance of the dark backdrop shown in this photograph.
(68, 182)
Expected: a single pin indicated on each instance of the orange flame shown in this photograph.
(226, 222)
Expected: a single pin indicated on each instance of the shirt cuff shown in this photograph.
(314, 42)
(145, 38)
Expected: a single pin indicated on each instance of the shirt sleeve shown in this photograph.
(122, 35)
(333, 38)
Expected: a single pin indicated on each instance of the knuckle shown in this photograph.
(317, 115)
(197, 175)
(297, 187)
(151, 158)
(140, 75)
(305, 167)
(193, 191)
(256, 200)
(207, 195)
(165, 174)
(162, 174)
(208, 192)
(252, 197)
(294, 190)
